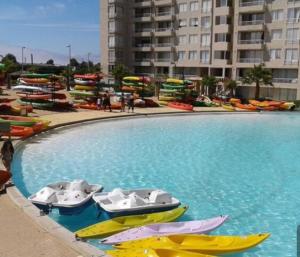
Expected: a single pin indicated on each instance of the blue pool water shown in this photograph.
(246, 166)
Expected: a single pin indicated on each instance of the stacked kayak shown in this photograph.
(39, 90)
(134, 83)
(23, 126)
(181, 106)
(173, 89)
(85, 90)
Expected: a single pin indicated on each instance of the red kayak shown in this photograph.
(6, 100)
(4, 177)
(34, 96)
(181, 106)
(87, 76)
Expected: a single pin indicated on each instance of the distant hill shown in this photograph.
(42, 56)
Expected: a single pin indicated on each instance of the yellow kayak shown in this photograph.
(154, 253)
(86, 88)
(198, 243)
(167, 98)
(175, 81)
(163, 102)
(228, 107)
(119, 224)
(132, 78)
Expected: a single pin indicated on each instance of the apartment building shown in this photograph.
(187, 38)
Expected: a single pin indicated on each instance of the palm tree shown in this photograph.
(259, 76)
(231, 85)
(210, 83)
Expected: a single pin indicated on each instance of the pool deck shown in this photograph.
(24, 232)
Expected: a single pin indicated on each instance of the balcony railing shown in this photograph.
(143, 30)
(285, 80)
(250, 60)
(142, 15)
(291, 62)
(253, 22)
(162, 59)
(142, 59)
(163, 13)
(162, 29)
(251, 3)
(143, 45)
(250, 41)
(163, 44)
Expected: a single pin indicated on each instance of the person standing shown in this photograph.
(131, 103)
(122, 100)
(106, 101)
(99, 102)
(7, 152)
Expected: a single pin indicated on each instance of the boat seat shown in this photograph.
(116, 195)
(160, 197)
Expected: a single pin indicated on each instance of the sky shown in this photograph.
(51, 25)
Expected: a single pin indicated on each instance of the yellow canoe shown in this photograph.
(86, 88)
(154, 253)
(132, 78)
(119, 224)
(198, 243)
(163, 102)
(175, 81)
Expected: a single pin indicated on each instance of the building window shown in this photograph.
(291, 56)
(293, 15)
(275, 54)
(183, 7)
(223, 20)
(111, 41)
(204, 56)
(206, 6)
(222, 37)
(194, 22)
(223, 3)
(277, 15)
(193, 39)
(292, 34)
(181, 55)
(111, 26)
(205, 39)
(223, 55)
(205, 22)
(192, 55)
(194, 6)
(276, 34)
(111, 11)
(182, 39)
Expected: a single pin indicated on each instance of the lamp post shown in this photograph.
(69, 68)
(22, 67)
(88, 61)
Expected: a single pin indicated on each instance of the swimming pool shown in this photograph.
(246, 166)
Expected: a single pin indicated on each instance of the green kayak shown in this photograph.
(36, 75)
(133, 84)
(37, 105)
(170, 86)
(18, 122)
(81, 93)
(163, 90)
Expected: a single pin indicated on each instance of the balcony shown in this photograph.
(164, 16)
(163, 32)
(142, 3)
(291, 62)
(252, 44)
(163, 2)
(250, 60)
(142, 47)
(251, 25)
(285, 80)
(252, 6)
(142, 62)
(143, 32)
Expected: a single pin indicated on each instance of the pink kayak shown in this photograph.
(163, 229)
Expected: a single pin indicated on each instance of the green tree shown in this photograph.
(231, 85)
(260, 76)
(119, 71)
(9, 58)
(50, 62)
(210, 83)
(74, 62)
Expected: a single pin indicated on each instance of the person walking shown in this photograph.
(122, 100)
(99, 102)
(131, 103)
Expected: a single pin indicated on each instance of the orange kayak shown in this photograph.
(87, 76)
(181, 106)
(4, 177)
(19, 131)
(35, 96)
(248, 107)
(35, 80)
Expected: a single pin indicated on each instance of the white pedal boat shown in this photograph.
(68, 197)
(138, 201)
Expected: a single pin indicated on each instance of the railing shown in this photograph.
(204, 60)
(251, 3)
(163, 13)
(253, 22)
(285, 80)
(250, 60)
(162, 59)
(143, 45)
(143, 60)
(291, 62)
(251, 41)
(163, 44)
(293, 20)
(142, 15)
(162, 29)
(143, 30)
